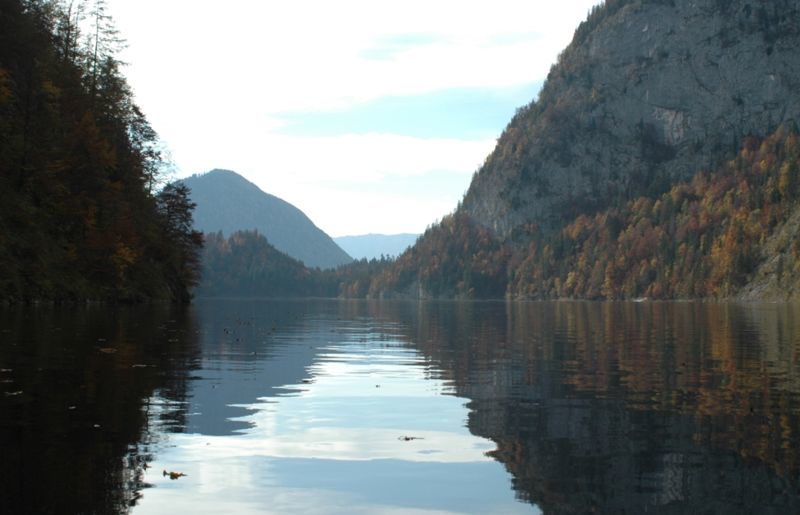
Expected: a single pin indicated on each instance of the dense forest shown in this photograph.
(703, 238)
(84, 211)
(245, 264)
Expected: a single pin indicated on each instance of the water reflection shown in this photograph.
(336, 414)
(74, 408)
(628, 408)
(364, 407)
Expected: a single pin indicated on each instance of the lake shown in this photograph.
(336, 406)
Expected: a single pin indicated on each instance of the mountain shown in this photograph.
(646, 94)
(228, 202)
(373, 246)
(246, 265)
(660, 160)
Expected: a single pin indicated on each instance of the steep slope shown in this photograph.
(660, 160)
(373, 246)
(647, 93)
(228, 202)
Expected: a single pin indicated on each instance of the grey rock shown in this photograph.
(648, 92)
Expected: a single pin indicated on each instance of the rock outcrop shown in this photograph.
(648, 93)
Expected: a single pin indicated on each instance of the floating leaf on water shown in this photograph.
(107, 350)
(173, 475)
(409, 438)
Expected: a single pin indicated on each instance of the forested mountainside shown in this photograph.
(245, 264)
(660, 160)
(81, 215)
(730, 232)
(228, 202)
(648, 93)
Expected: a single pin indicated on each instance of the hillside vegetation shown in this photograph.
(81, 215)
(659, 160)
(708, 237)
(246, 264)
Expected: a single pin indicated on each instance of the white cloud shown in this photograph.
(212, 77)
(326, 176)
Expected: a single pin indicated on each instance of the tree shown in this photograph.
(183, 255)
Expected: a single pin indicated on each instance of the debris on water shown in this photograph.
(409, 438)
(139, 365)
(173, 475)
(107, 350)
(96, 426)
(71, 408)
(4, 370)
(13, 394)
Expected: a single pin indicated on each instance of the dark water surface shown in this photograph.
(401, 407)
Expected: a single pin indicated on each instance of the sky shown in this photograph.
(370, 116)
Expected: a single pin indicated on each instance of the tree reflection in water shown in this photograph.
(593, 407)
(629, 407)
(78, 387)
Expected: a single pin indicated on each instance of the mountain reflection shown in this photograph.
(591, 407)
(626, 407)
(78, 387)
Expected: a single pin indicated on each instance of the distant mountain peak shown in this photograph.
(373, 246)
(227, 202)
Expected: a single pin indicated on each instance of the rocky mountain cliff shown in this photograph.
(661, 160)
(647, 93)
(228, 202)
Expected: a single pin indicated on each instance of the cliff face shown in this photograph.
(648, 93)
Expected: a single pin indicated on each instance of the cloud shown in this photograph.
(308, 55)
(296, 94)
(349, 183)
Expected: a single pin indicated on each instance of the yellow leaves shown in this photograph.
(787, 179)
(123, 258)
(173, 475)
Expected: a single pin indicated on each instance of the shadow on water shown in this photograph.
(77, 399)
(627, 407)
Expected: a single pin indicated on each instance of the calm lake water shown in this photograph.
(401, 407)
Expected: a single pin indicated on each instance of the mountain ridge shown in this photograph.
(647, 93)
(660, 160)
(374, 245)
(228, 202)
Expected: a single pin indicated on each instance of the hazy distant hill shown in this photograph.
(372, 246)
(228, 202)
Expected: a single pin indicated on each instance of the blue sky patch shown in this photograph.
(463, 113)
